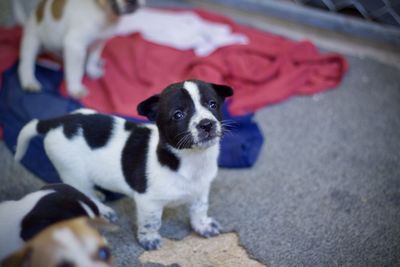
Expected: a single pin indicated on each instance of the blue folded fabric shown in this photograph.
(242, 142)
(239, 148)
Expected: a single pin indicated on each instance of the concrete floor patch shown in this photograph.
(223, 250)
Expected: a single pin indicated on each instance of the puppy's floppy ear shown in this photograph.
(222, 90)
(21, 258)
(149, 107)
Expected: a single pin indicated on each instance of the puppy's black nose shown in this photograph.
(206, 125)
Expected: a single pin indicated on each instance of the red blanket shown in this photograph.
(267, 70)
(9, 47)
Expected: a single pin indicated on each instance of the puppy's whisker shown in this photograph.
(180, 142)
(182, 133)
(187, 140)
(226, 133)
(222, 134)
(226, 130)
(229, 125)
(184, 140)
(229, 122)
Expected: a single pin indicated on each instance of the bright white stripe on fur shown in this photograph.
(25, 135)
(85, 111)
(88, 210)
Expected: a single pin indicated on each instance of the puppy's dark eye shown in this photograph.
(104, 254)
(212, 104)
(178, 115)
(65, 264)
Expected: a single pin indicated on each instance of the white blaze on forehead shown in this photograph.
(193, 91)
(200, 112)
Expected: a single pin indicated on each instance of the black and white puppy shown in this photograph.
(23, 219)
(172, 162)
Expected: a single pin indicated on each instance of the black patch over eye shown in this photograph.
(212, 104)
(178, 115)
(65, 264)
(104, 254)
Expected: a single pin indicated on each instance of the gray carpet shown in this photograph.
(324, 192)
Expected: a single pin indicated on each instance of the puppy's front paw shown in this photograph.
(207, 227)
(150, 241)
(109, 214)
(78, 92)
(32, 86)
(112, 217)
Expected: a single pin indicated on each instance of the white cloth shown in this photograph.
(180, 30)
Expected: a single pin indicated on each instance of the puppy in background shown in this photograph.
(69, 27)
(168, 163)
(71, 243)
(23, 219)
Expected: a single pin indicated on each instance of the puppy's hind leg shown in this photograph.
(95, 64)
(72, 170)
(86, 187)
(30, 46)
(74, 64)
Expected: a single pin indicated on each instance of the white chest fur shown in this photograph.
(196, 171)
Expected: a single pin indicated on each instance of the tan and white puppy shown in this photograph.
(71, 243)
(69, 28)
(23, 219)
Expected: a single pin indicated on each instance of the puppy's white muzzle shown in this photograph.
(208, 132)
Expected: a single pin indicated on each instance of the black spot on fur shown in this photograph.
(129, 126)
(61, 205)
(44, 126)
(149, 107)
(134, 156)
(222, 90)
(96, 128)
(175, 132)
(167, 158)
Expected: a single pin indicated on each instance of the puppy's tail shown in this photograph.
(25, 135)
(19, 13)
